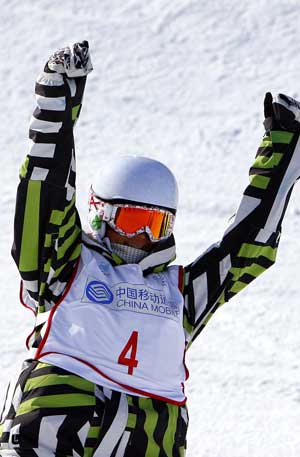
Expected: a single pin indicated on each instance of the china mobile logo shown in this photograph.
(98, 292)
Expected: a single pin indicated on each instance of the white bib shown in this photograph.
(120, 329)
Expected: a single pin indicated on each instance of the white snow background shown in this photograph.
(182, 81)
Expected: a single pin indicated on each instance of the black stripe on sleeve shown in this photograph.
(50, 91)
(49, 115)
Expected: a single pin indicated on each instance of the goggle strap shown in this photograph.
(105, 211)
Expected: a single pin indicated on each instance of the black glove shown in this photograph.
(282, 113)
(74, 61)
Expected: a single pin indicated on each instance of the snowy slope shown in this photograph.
(184, 82)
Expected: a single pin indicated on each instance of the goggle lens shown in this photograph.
(132, 219)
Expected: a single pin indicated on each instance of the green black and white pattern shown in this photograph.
(86, 419)
(64, 414)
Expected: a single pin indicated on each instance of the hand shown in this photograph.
(74, 61)
(282, 112)
(268, 105)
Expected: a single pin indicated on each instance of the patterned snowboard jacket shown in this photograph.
(48, 237)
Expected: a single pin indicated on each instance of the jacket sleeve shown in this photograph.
(47, 226)
(250, 244)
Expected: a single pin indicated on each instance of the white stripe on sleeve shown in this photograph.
(45, 126)
(248, 204)
(51, 103)
(50, 79)
(200, 294)
(42, 150)
(224, 267)
(289, 179)
(39, 174)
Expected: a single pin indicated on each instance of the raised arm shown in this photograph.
(250, 244)
(47, 227)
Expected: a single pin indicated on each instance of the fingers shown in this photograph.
(281, 112)
(81, 55)
(58, 60)
(74, 60)
(268, 106)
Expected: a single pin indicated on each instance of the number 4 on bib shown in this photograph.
(130, 349)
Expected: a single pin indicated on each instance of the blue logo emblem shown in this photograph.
(98, 292)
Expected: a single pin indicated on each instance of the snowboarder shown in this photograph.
(105, 373)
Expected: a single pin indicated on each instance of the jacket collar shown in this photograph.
(163, 253)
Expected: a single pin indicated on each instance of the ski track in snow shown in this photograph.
(182, 82)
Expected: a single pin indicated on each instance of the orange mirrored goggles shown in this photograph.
(130, 220)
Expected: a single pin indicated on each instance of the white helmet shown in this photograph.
(137, 179)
